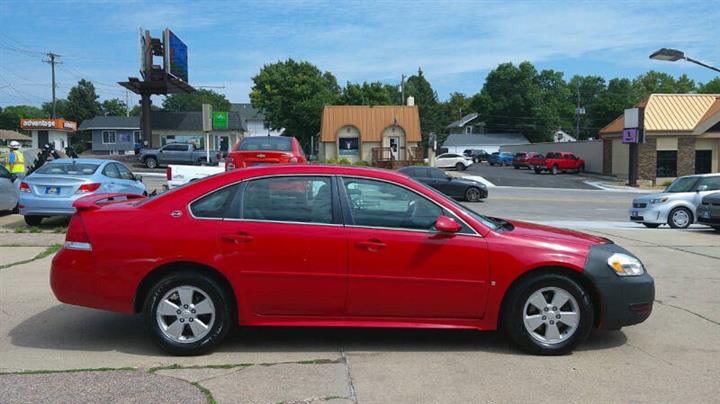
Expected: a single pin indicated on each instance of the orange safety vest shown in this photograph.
(17, 167)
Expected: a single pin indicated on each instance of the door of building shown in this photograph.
(43, 138)
(703, 161)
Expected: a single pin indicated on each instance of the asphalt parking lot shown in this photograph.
(522, 177)
(53, 352)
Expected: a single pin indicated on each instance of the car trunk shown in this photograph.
(52, 186)
(248, 158)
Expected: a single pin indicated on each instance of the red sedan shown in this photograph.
(262, 150)
(311, 245)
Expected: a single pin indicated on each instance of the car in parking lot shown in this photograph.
(452, 160)
(500, 158)
(556, 162)
(521, 159)
(52, 189)
(477, 155)
(177, 153)
(8, 191)
(461, 188)
(262, 150)
(708, 213)
(315, 245)
(677, 205)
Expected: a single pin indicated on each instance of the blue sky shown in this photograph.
(455, 42)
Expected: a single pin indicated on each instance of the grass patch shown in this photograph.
(32, 229)
(49, 251)
(207, 393)
(44, 372)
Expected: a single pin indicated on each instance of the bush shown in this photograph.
(362, 163)
(343, 161)
(330, 161)
(78, 147)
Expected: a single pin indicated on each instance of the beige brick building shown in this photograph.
(682, 137)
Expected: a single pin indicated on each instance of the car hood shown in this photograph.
(670, 195)
(537, 232)
(464, 181)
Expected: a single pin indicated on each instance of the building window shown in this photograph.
(136, 136)
(123, 137)
(348, 146)
(108, 137)
(666, 163)
(703, 161)
(468, 130)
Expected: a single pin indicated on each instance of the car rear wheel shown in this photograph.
(187, 314)
(33, 220)
(652, 225)
(717, 228)
(680, 218)
(516, 167)
(473, 194)
(151, 162)
(538, 171)
(555, 170)
(548, 314)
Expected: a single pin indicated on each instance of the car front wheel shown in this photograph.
(680, 218)
(187, 314)
(151, 162)
(473, 194)
(555, 170)
(548, 314)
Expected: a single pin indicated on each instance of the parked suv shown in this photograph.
(556, 162)
(521, 159)
(501, 158)
(263, 150)
(677, 205)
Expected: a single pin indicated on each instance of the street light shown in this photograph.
(673, 55)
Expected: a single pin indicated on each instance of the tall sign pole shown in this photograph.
(633, 134)
(207, 123)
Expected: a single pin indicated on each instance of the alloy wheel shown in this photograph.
(551, 315)
(680, 218)
(185, 314)
(472, 194)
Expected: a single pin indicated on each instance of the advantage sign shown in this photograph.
(220, 120)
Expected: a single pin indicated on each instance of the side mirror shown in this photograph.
(446, 225)
(138, 177)
(702, 188)
(13, 177)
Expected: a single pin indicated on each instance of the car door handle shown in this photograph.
(237, 238)
(371, 245)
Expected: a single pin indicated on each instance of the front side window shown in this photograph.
(124, 172)
(215, 205)
(108, 136)
(667, 163)
(381, 204)
(289, 199)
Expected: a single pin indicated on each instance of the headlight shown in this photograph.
(626, 265)
(659, 200)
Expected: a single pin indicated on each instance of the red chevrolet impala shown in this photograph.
(311, 245)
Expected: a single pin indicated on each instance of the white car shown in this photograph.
(452, 160)
(178, 175)
(677, 205)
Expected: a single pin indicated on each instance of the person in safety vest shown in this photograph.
(15, 161)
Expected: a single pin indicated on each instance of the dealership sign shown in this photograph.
(44, 124)
(220, 120)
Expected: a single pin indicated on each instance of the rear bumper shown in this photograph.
(624, 300)
(34, 205)
(708, 215)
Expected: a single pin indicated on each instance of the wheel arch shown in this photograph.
(573, 274)
(154, 276)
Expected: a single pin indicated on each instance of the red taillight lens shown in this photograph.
(76, 237)
(87, 188)
(24, 187)
(168, 173)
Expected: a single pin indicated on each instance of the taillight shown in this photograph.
(24, 187)
(76, 237)
(87, 188)
(168, 173)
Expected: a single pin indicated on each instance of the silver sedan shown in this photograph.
(677, 205)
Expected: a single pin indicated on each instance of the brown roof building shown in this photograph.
(682, 137)
(370, 133)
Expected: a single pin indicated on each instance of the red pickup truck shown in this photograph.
(556, 162)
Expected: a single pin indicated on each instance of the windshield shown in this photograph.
(684, 184)
(73, 168)
(266, 143)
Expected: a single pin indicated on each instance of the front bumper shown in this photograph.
(624, 300)
(649, 214)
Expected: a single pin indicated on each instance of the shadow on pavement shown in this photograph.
(73, 328)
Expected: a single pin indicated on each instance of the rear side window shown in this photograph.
(289, 199)
(713, 183)
(68, 169)
(277, 143)
(214, 205)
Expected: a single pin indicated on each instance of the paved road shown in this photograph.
(508, 176)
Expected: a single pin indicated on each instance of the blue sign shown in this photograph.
(176, 57)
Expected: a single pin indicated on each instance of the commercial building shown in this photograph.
(253, 120)
(682, 137)
(113, 134)
(381, 135)
(49, 131)
(186, 127)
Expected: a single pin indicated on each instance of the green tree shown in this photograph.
(11, 115)
(374, 93)
(711, 87)
(612, 102)
(590, 89)
(193, 101)
(432, 118)
(292, 95)
(457, 106)
(114, 107)
(61, 106)
(659, 82)
(135, 111)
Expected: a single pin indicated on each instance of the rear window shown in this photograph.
(68, 169)
(266, 143)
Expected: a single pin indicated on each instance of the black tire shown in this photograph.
(581, 169)
(473, 194)
(33, 220)
(223, 316)
(674, 221)
(652, 225)
(538, 171)
(516, 167)
(151, 162)
(555, 169)
(459, 166)
(491, 164)
(717, 228)
(15, 210)
(513, 312)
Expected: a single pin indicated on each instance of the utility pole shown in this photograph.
(578, 111)
(52, 60)
(402, 89)
(127, 103)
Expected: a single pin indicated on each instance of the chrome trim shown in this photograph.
(413, 230)
(283, 222)
(75, 245)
